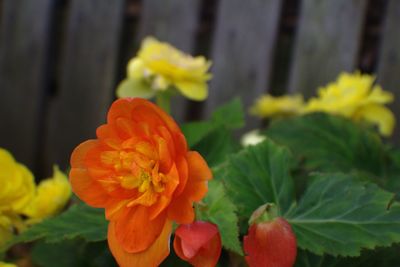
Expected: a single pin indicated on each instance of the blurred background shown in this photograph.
(60, 60)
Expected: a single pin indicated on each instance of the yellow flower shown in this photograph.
(17, 185)
(159, 66)
(355, 96)
(51, 197)
(269, 106)
(4, 264)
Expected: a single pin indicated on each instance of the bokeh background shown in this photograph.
(60, 60)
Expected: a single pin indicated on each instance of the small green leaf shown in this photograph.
(219, 209)
(196, 131)
(340, 215)
(330, 143)
(134, 88)
(216, 146)
(231, 114)
(78, 221)
(258, 175)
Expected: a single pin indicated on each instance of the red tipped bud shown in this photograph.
(198, 243)
(270, 241)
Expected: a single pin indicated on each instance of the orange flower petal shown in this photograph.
(199, 174)
(106, 131)
(181, 211)
(131, 226)
(79, 154)
(140, 110)
(165, 197)
(183, 170)
(164, 154)
(198, 168)
(87, 189)
(151, 257)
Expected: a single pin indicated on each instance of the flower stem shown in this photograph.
(163, 100)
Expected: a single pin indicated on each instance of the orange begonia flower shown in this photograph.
(140, 170)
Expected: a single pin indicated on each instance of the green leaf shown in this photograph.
(382, 257)
(330, 143)
(340, 215)
(72, 253)
(393, 172)
(257, 175)
(196, 131)
(229, 116)
(217, 146)
(134, 88)
(219, 209)
(78, 221)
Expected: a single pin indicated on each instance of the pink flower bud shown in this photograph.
(198, 243)
(270, 241)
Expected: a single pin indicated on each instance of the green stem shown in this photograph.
(163, 100)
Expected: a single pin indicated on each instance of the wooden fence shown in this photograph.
(60, 60)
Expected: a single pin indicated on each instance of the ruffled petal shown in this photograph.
(135, 231)
(181, 208)
(140, 110)
(79, 154)
(87, 189)
(196, 90)
(380, 116)
(151, 257)
(199, 174)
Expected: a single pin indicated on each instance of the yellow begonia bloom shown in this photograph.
(4, 264)
(158, 66)
(269, 106)
(355, 96)
(17, 186)
(51, 197)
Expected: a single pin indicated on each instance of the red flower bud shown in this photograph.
(270, 241)
(198, 243)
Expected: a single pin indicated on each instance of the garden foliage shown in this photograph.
(333, 180)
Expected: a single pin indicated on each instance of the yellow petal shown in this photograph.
(17, 185)
(378, 115)
(134, 88)
(379, 96)
(5, 264)
(197, 91)
(272, 106)
(136, 69)
(51, 197)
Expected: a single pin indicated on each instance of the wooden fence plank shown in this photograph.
(327, 42)
(173, 21)
(389, 60)
(87, 75)
(24, 47)
(242, 52)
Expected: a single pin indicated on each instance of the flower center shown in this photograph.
(137, 171)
